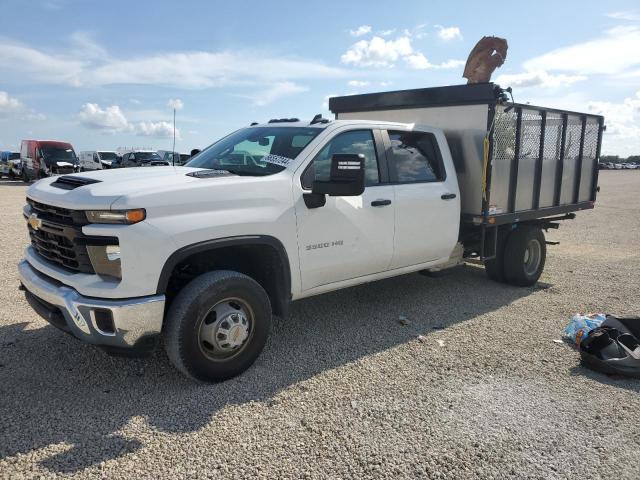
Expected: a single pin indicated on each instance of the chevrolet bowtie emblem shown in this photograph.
(34, 221)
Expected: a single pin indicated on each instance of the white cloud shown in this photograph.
(386, 33)
(113, 120)
(361, 30)
(31, 65)
(447, 34)
(628, 16)
(275, 92)
(13, 108)
(160, 129)
(357, 83)
(418, 61)
(377, 52)
(612, 54)
(175, 103)
(385, 84)
(9, 104)
(622, 136)
(452, 64)
(87, 64)
(538, 78)
(85, 47)
(110, 119)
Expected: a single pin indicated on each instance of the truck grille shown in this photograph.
(59, 238)
(57, 214)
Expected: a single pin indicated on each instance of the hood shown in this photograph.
(104, 187)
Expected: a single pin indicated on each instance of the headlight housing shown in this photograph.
(124, 217)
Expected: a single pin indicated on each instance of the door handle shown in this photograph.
(380, 203)
(448, 196)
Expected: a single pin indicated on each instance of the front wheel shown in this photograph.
(524, 256)
(217, 326)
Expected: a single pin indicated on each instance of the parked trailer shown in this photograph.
(516, 163)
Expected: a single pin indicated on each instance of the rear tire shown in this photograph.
(217, 326)
(524, 256)
(25, 177)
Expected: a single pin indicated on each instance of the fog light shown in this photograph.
(105, 259)
(104, 321)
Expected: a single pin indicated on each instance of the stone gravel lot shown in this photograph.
(343, 389)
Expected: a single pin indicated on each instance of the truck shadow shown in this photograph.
(58, 391)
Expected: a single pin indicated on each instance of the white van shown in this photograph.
(94, 160)
(89, 160)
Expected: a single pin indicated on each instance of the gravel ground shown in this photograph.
(343, 389)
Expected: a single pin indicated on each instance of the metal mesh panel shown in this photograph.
(550, 158)
(589, 165)
(530, 130)
(504, 144)
(571, 154)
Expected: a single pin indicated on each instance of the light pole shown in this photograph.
(173, 150)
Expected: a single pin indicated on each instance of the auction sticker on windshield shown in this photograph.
(276, 160)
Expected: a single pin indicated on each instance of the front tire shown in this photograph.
(524, 256)
(217, 326)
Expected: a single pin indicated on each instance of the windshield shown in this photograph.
(107, 155)
(14, 156)
(51, 154)
(255, 151)
(146, 157)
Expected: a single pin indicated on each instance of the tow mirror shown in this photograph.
(346, 178)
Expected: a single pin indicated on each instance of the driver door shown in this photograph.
(348, 237)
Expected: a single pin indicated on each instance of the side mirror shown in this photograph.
(346, 178)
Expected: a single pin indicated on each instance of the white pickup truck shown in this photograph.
(202, 255)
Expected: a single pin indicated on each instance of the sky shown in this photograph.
(104, 75)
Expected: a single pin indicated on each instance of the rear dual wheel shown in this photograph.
(520, 256)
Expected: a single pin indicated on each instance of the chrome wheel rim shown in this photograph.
(226, 329)
(532, 257)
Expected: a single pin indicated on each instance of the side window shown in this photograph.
(415, 157)
(96, 158)
(355, 141)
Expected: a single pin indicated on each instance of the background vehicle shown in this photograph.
(107, 157)
(202, 255)
(10, 165)
(174, 158)
(43, 158)
(89, 160)
(142, 158)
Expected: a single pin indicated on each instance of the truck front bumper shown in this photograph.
(117, 325)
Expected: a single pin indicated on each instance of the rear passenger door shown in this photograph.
(426, 196)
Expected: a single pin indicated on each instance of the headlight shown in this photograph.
(126, 217)
(105, 259)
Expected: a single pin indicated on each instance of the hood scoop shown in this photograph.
(67, 182)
